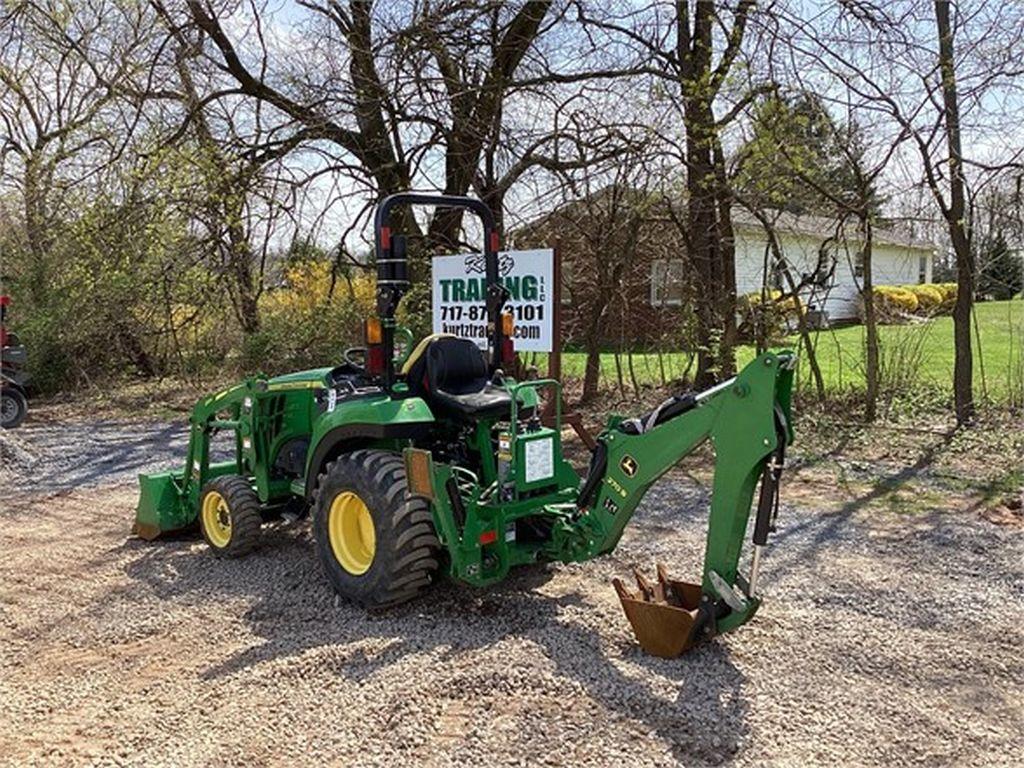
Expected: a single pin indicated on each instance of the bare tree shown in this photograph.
(231, 163)
(401, 88)
(695, 49)
(864, 161)
(954, 211)
(926, 85)
(62, 123)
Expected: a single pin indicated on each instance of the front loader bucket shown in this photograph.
(663, 615)
(161, 506)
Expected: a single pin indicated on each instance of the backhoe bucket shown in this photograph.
(663, 615)
(161, 506)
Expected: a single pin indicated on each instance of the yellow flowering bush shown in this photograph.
(929, 297)
(949, 292)
(895, 302)
(892, 302)
(306, 322)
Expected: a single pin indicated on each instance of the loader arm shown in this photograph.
(747, 421)
(260, 415)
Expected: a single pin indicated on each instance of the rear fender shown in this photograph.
(362, 422)
(13, 384)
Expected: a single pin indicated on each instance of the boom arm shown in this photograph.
(747, 421)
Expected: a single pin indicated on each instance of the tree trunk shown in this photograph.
(703, 251)
(714, 336)
(959, 228)
(727, 254)
(134, 350)
(592, 338)
(36, 231)
(592, 372)
(618, 372)
(240, 268)
(377, 152)
(963, 366)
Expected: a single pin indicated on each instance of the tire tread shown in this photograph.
(244, 508)
(413, 561)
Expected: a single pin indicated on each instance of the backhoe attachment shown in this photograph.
(747, 421)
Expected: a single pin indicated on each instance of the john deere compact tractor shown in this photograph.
(418, 460)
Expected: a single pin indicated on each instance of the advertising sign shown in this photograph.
(460, 286)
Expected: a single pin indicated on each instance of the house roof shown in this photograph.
(807, 224)
(822, 226)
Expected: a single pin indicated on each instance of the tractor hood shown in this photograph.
(299, 379)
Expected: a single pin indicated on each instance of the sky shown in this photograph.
(333, 202)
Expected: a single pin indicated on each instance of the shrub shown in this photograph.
(892, 301)
(304, 323)
(948, 291)
(929, 297)
(895, 302)
(414, 311)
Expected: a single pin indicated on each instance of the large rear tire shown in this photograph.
(13, 408)
(377, 546)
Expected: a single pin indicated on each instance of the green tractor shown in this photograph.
(429, 459)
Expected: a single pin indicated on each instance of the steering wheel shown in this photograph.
(356, 356)
(351, 352)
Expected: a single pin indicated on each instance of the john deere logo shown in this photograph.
(628, 465)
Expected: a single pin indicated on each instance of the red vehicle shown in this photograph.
(13, 378)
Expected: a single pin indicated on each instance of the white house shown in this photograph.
(827, 260)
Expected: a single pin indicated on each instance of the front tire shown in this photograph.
(13, 408)
(229, 516)
(377, 546)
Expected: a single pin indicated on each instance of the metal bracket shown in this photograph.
(733, 598)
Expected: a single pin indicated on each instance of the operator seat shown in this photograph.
(451, 375)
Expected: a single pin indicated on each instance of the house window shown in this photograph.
(666, 283)
(922, 269)
(858, 264)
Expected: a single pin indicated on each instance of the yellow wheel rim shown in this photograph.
(216, 519)
(352, 535)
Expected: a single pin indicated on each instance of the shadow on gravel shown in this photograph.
(294, 611)
(124, 455)
(84, 455)
(827, 527)
(78, 455)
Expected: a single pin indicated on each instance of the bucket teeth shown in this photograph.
(663, 614)
(647, 592)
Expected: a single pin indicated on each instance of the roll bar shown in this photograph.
(393, 268)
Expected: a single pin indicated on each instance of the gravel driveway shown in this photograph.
(881, 642)
(43, 457)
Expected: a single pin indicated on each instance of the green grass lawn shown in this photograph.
(919, 355)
